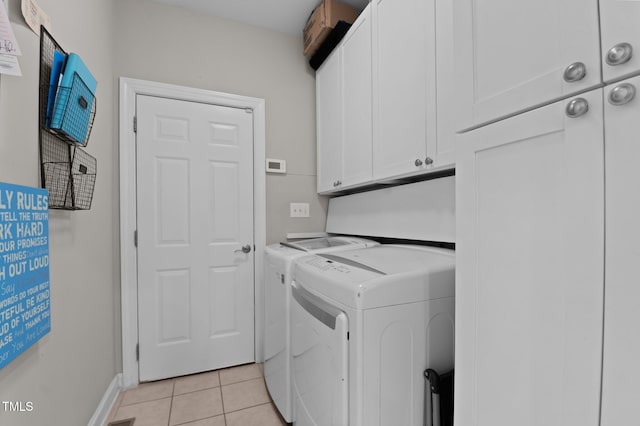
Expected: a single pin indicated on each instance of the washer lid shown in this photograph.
(328, 242)
(378, 276)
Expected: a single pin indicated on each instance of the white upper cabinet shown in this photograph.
(620, 38)
(356, 88)
(396, 102)
(343, 108)
(514, 55)
(441, 148)
(404, 114)
(621, 366)
(329, 123)
(529, 268)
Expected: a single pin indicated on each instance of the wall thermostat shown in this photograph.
(276, 166)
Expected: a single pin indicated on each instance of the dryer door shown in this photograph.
(320, 356)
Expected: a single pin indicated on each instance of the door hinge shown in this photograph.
(137, 351)
(135, 238)
(135, 124)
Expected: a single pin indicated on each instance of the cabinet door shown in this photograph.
(329, 123)
(618, 25)
(356, 82)
(404, 85)
(511, 55)
(529, 276)
(441, 148)
(621, 367)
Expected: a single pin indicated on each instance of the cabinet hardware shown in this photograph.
(622, 94)
(575, 72)
(619, 54)
(577, 107)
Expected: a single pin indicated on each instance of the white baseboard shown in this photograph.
(107, 401)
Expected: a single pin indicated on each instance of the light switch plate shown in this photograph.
(299, 210)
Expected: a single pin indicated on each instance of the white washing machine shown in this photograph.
(366, 323)
(278, 261)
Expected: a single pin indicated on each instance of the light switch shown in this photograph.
(299, 210)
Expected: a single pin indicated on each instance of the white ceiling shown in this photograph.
(287, 16)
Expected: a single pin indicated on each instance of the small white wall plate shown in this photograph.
(276, 166)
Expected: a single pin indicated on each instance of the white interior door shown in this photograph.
(195, 213)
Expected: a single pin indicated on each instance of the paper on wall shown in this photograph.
(8, 42)
(35, 16)
(9, 65)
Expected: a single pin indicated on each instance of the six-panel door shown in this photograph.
(195, 237)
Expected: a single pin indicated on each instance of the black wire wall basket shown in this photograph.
(67, 171)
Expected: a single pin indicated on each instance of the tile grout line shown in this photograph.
(241, 381)
(224, 412)
(246, 408)
(173, 389)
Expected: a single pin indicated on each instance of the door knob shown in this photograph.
(622, 94)
(575, 72)
(577, 107)
(418, 162)
(245, 249)
(619, 54)
(428, 161)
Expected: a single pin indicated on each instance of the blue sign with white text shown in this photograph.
(24, 269)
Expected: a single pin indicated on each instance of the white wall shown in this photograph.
(172, 45)
(66, 374)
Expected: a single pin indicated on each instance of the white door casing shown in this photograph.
(129, 90)
(195, 213)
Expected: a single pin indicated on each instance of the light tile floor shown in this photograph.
(235, 396)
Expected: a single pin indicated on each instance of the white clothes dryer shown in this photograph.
(366, 323)
(278, 261)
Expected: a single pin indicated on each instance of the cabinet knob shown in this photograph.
(577, 107)
(418, 162)
(575, 72)
(622, 94)
(428, 161)
(619, 54)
